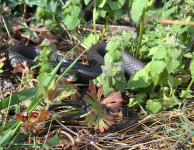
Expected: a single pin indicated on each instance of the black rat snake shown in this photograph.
(18, 54)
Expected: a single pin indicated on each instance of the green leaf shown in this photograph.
(100, 3)
(156, 67)
(71, 22)
(137, 9)
(54, 141)
(192, 68)
(160, 53)
(18, 97)
(74, 10)
(102, 12)
(74, 2)
(6, 137)
(53, 6)
(89, 39)
(139, 96)
(171, 64)
(114, 5)
(174, 52)
(168, 12)
(86, 2)
(118, 14)
(153, 106)
(140, 79)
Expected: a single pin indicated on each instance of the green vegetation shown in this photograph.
(165, 49)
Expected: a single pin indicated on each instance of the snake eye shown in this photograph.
(66, 76)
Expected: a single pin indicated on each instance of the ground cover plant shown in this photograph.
(161, 92)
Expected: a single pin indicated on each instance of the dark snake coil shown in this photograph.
(18, 54)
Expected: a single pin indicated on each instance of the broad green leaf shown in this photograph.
(118, 14)
(171, 64)
(139, 96)
(153, 106)
(174, 52)
(89, 39)
(114, 5)
(53, 6)
(137, 9)
(156, 67)
(168, 12)
(74, 10)
(71, 22)
(102, 12)
(140, 79)
(160, 53)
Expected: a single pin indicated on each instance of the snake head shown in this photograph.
(71, 75)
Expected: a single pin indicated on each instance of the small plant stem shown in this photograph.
(104, 29)
(94, 20)
(103, 32)
(186, 92)
(155, 82)
(107, 19)
(140, 34)
(146, 24)
(14, 131)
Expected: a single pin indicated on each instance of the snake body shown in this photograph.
(18, 54)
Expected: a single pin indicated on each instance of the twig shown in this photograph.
(186, 139)
(7, 30)
(176, 22)
(184, 114)
(176, 143)
(140, 139)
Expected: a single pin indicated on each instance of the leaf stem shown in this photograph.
(186, 92)
(140, 34)
(155, 82)
(146, 24)
(94, 20)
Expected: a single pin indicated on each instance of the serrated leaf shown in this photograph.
(156, 67)
(174, 52)
(153, 106)
(71, 22)
(139, 79)
(171, 64)
(152, 51)
(74, 10)
(137, 9)
(160, 53)
(89, 39)
(191, 67)
(53, 5)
